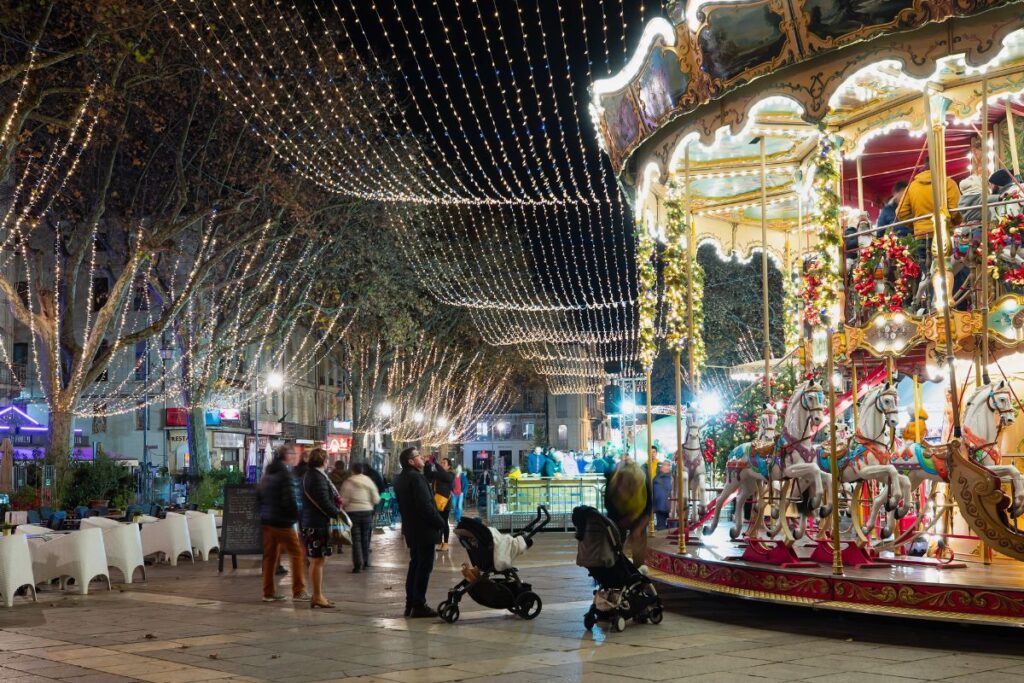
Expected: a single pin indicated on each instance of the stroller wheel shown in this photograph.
(618, 623)
(448, 611)
(656, 615)
(589, 621)
(528, 605)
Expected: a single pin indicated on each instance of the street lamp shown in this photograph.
(275, 380)
(385, 409)
(442, 422)
(417, 417)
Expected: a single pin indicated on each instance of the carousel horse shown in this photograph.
(986, 413)
(750, 465)
(694, 469)
(918, 462)
(868, 457)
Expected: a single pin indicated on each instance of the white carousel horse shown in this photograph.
(694, 470)
(749, 466)
(986, 412)
(868, 458)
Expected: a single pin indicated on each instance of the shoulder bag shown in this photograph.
(339, 528)
(440, 502)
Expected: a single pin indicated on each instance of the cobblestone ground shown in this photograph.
(192, 624)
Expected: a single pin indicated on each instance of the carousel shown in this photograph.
(871, 152)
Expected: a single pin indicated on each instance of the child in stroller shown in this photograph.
(623, 592)
(492, 581)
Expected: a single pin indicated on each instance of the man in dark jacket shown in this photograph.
(279, 512)
(662, 493)
(421, 527)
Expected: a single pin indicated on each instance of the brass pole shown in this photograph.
(1011, 133)
(764, 273)
(856, 410)
(681, 507)
(985, 220)
(860, 186)
(837, 548)
(651, 465)
(937, 163)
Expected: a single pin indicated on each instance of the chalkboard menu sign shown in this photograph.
(240, 530)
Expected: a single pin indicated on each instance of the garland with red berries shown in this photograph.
(1008, 232)
(885, 252)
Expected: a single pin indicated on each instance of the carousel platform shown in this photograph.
(969, 592)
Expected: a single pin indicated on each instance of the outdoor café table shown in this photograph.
(78, 555)
(15, 517)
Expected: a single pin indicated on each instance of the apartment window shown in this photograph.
(561, 406)
(140, 300)
(19, 353)
(141, 417)
(103, 349)
(22, 288)
(503, 430)
(481, 430)
(529, 429)
(100, 292)
(140, 361)
(527, 400)
(563, 436)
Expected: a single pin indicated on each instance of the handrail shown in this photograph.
(910, 221)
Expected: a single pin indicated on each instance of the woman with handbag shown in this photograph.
(442, 481)
(319, 513)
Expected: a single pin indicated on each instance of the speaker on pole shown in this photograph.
(612, 399)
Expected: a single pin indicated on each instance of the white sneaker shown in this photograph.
(275, 598)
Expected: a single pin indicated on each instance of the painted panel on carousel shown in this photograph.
(888, 333)
(739, 149)
(623, 124)
(736, 38)
(1006, 319)
(739, 186)
(829, 20)
(662, 84)
(784, 211)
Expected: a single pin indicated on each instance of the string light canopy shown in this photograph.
(466, 119)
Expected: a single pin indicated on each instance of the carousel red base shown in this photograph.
(975, 594)
(852, 554)
(773, 552)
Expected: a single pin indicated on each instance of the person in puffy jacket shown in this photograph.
(552, 466)
(918, 202)
(360, 497)
(628, 499)
(318, 510)
(279, 512)
(535, 460)
(662, 488)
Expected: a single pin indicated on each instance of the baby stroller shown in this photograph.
(623, 592)
(495, 583)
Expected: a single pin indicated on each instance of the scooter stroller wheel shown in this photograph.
(589, 621)
(448, 611)
(656, 615)
(618, 623)
(528, 605)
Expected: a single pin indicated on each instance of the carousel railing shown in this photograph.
(918, 295)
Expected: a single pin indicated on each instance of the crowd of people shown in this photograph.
(908, 211)
(299, 503)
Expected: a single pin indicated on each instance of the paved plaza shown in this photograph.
(189, 624)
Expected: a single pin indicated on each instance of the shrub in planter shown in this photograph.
(102, 479)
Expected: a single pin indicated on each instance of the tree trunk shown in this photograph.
(58, 452)
(198, 443)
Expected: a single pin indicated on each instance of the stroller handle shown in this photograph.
(537, 523)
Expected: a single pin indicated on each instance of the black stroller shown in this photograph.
(623, 592)
(494, 588)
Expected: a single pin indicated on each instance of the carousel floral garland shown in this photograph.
(791, 305)
(647, 303)
(894, 251)
(821, 275)
(676, 287)
(1008, 232)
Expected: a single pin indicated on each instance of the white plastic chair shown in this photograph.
(78, 555)
(202, 528)
(123, 544)
(168, 536)
(15, 567)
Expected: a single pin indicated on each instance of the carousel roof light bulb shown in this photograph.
(628, 406)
